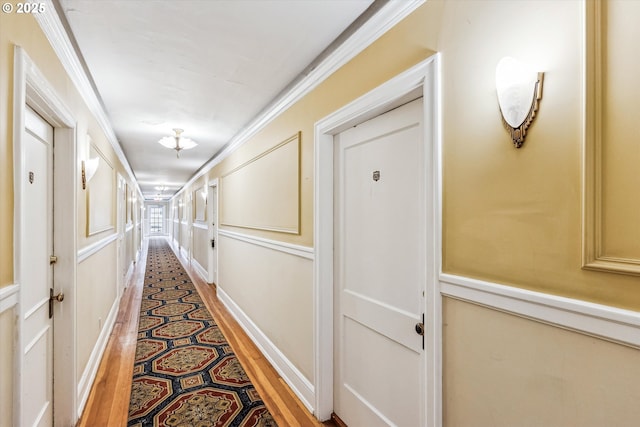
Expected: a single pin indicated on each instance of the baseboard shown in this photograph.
(184, 253)
(91, 370)
(601, 321)
(202, 272)
(291, 375)
(129, 275)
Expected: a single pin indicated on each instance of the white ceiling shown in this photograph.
(206, 66)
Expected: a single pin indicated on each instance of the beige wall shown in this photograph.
(269, 286)
(501, 371)
(7, 320)
(201, 245)
(96, 294)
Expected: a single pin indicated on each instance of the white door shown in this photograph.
(381, 275)
(213, 235)
(37, 281)
(122, 249)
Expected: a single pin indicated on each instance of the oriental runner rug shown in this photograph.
(185, 373)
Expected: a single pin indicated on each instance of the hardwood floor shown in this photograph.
(108, 402)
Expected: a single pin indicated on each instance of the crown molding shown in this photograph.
(55, 32)
(385, 19)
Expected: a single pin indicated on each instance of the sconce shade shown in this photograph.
(89, 169)
(519, 90)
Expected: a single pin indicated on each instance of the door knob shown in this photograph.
(420, 328)
(52, 298)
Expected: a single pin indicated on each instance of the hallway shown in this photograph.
(487, 279)
(108, 402)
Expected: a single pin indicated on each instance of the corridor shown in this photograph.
(413, 213)
(109, 402)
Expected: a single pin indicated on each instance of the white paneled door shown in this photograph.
(213, 234)
(37, 280)
(380, 217)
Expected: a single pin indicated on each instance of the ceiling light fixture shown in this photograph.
(177, 142)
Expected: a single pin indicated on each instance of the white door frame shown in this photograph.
(213, 203)
(421, 80)
(32, 88)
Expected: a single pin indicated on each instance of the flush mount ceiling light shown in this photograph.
(177, 142)
(519, 90)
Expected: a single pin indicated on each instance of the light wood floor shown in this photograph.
(108, 402)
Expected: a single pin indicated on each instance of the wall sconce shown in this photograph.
(89, 169)
(519, 90)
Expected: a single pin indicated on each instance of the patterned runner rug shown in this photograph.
(185, 373)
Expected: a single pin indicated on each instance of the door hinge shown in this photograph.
(53, 259)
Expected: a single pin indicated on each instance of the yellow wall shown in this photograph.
(514, 216)
(24, 31)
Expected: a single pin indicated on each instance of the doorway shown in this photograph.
(44, 249)
(379, 284)
(419, 81)
(213, 232)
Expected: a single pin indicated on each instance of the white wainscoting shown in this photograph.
(300, 385)
(601, 321)
(90, 371)
(8, 297)
(291, 375)
(202, 272)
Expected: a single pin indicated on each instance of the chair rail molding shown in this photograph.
(8, 297)
(297, 250)
(597, 320)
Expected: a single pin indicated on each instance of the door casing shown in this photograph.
(212, 217)
(32, 88)
(420, 80)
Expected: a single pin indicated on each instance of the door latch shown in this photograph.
(420, 329)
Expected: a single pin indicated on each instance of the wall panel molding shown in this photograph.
(594, 256)
(601, 321)
(264, 192)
